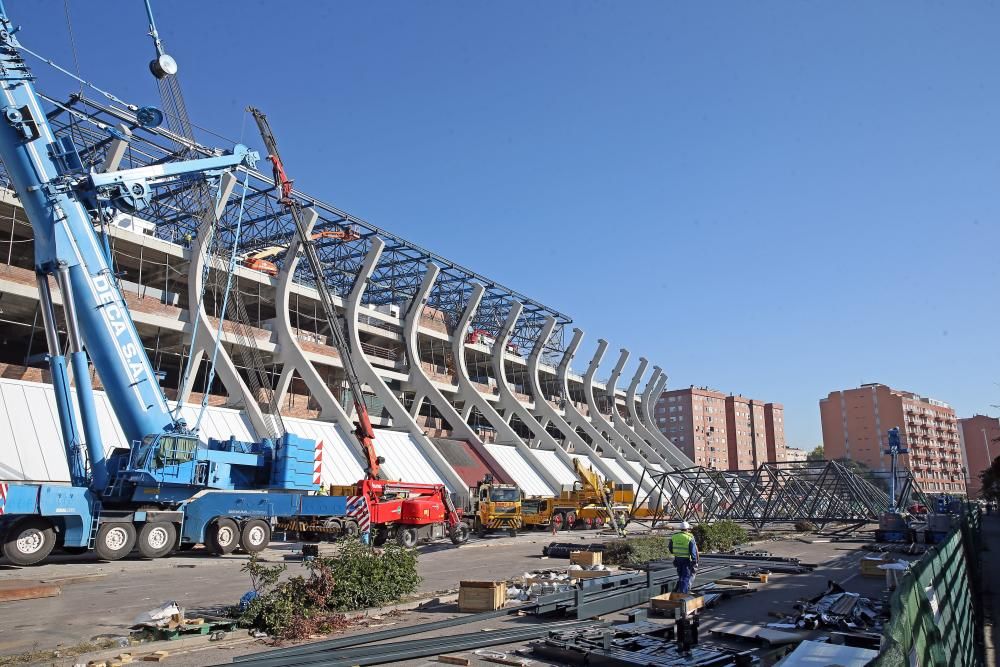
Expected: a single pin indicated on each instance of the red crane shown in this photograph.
(363, 432)
(409, 511)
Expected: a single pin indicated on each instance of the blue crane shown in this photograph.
(168, 491)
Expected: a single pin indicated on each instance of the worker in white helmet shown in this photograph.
(685, 552)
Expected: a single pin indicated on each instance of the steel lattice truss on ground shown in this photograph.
(175, 212)
(822, 492)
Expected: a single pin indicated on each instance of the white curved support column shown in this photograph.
(543, 410)
(471, 397)
(203, 334)
(622, 443)
(400, 416)
(291, 355)
(575, 419)
(425, 386)
(653, 388)
(508, 401)
(639, 426)
(622, 426)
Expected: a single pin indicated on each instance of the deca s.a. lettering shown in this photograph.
(107, 295)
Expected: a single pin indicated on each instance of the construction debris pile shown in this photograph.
(837, 609)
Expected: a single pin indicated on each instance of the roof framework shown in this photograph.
(176, 213)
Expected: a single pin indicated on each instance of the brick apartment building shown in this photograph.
(981, 444)
(855, 423)
(722, 431)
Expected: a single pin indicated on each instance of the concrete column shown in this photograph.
(575, 419)
(425, 386)
(622, 426)
(203, 338)
(400, 416)
(617, 438)
(509, 402)
(632, 403)
(653, 389)
(291, 355)
(471, 397)
(543, 410)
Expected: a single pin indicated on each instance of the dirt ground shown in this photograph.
(107, 596)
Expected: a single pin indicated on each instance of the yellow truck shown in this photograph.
(590, 503)
(494, 507)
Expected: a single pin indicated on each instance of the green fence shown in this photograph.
(935, 613)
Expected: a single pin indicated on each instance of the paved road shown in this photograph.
(108, 596)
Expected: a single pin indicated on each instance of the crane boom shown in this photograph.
(363, 432)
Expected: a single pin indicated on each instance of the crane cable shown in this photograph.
(225, 301)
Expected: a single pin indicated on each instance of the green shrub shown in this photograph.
(805, 526)
(356, 578)
(720, 536)
(636, 550)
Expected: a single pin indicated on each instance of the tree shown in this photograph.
(991, 481)
(816, 454)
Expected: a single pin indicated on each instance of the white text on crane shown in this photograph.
(132, 353)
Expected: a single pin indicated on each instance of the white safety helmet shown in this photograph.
(685, 525)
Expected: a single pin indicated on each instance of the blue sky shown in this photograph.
(774, 199)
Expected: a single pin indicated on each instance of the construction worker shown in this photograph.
(685, 552)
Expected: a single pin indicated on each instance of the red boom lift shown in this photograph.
(407, 511)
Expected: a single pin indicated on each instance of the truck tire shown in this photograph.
(570, 520)
(480, 529)
(512, 532)
(157, 539)
(559, 519)
(461, 534)
(115, 540)
(222, 536)
(30, 540)
(351, 530)
(381, 536)
(255, 536)
(334, 529)
(406, 537)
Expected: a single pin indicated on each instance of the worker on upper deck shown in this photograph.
(685, 551)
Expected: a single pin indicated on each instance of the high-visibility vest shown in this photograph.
(681, 543)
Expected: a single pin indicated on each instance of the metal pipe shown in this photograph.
(84, 389)
(48, 314)
(60, 385)
(381, 635)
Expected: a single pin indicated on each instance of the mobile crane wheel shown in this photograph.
(157, 539)
(406, 537)
(222, 536)
(115, 540)
(29, 541)
(461, 534)
(255, 537)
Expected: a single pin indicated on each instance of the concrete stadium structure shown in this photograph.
(463, 376)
